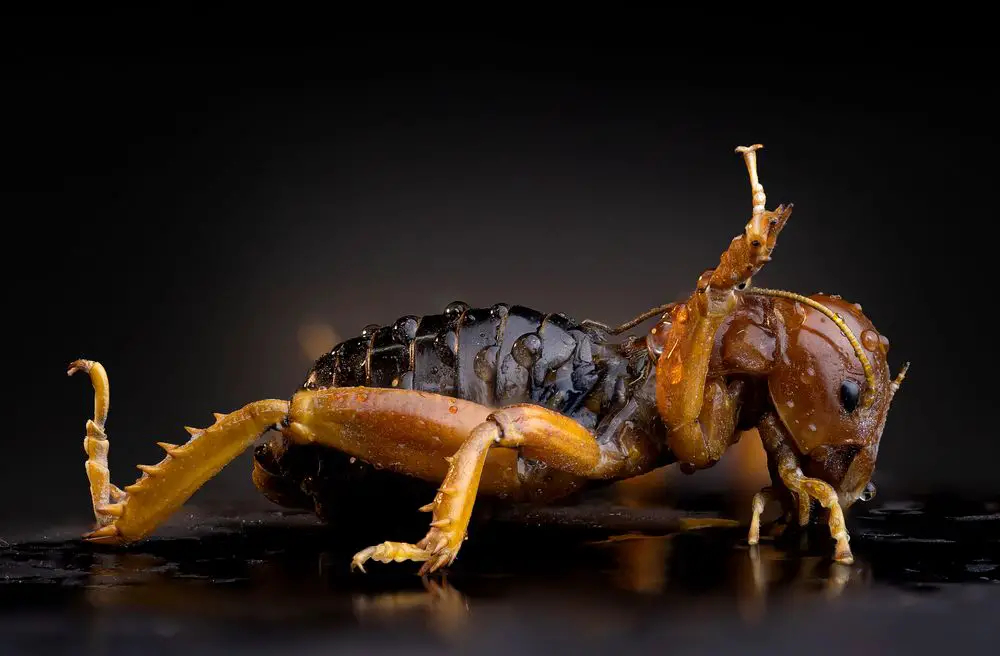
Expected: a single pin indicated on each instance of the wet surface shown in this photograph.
(577, 580)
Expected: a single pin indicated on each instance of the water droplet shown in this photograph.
(526, 349)
(499, 311)
(455, 309)
(406, 380)
(812, 427)
(799, 315)
(369, 330)
(452, 409)
(353, 460)
(790, 403)
(447, 342)
(870, 340)
(405, 329)
(485, 364)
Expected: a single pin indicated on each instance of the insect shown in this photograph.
(517, 405)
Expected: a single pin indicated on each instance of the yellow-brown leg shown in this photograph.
(773, 436)
(102, 492)
(702, 443)
(760, 501)
(128, 515)
(781, 495)
(416, 433)
(535, 433)
(683, 386)
(451, 508)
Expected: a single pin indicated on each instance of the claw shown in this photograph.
(361, 557)
(106, 534)
(79, 365)
(843, 552)
(432, 566)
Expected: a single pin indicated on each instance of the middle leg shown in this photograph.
(532, 432)
(451, 442)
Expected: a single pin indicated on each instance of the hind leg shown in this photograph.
(426, 436)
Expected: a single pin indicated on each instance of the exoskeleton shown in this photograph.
(518, 405)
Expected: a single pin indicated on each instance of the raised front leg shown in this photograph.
(131, 514)
(698, 411)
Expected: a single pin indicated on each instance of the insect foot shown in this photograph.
(759, 503)
(439, 548)
(451, 508)
(388, 552)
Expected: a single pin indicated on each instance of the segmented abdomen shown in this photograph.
(494, 356)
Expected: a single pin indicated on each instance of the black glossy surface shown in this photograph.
(925, 580)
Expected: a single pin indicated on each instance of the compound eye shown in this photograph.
(869, 492)
(850, 394)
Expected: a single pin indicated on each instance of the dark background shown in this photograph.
(180, 214)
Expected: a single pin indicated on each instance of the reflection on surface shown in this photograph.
(767, 567)
(280, 586)
(289, 572)
(443, 606)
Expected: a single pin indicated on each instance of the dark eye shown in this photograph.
(849, 395)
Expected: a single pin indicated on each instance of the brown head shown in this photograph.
(831, 387)
(816, 363)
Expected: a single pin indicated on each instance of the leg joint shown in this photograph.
(508, 431)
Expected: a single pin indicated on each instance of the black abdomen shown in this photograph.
(493, 356)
